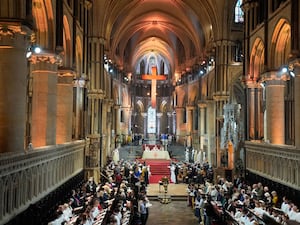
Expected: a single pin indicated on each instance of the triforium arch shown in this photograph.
(44, 21)
(67, 43)
(280, 44)
(79, 56)
(256, 60)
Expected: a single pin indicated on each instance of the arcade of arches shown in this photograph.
(227, 83)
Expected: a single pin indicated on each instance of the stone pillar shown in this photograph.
(255, 110)
(78, 115)
(118, 119)
(44, 99)
(144, 115)
(190, 121)
(126, 114)
(189, 128)
(174, 123)
(179, 120)
(211, 135)
(104, 131)
(202, 107)
(96, 96)
(295, 68)
(275, 110)
(220, 101)
(251, 110)
(13, 84)
(158, 115)
(130, 121)
(64, 116)
(169, 115)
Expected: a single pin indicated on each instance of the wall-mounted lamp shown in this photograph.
(33, 49)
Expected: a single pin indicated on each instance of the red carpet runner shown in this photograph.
(158, 168)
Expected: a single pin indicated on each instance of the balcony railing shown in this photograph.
(26, 177)
(281, 163)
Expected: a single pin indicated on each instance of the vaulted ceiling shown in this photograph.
(177, 32)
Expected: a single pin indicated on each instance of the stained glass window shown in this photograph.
(238, 12)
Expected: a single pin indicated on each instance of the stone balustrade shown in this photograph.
(279, 163)
(26, 177)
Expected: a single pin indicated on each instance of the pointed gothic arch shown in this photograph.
(67, 43)
(44, 20)
(256, 60)
(281, 44)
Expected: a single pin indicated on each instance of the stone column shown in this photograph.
(169, 115)
(96, 96)
(64, 116)
(179, 121)
(158, 115)
(118, 119)
(126, 114)
(189, 128)
(202, 107)
(275, 109)
(220, 101)
(251, 109)
(144, 115)
(78, 123)
(174, 118)
(13, 86)
(104, 132)
(211, 135)
(189, 110)
(295, 68)
(44, 99)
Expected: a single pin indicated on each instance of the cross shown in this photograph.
(154, 77)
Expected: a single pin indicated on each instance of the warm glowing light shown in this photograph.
(154, 77)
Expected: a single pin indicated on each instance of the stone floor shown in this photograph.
(174, 213)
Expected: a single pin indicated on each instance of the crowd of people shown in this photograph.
(236, 202)
(119, 198)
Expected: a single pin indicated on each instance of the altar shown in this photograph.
(156, 155)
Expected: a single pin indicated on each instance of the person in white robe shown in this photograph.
(173, 176)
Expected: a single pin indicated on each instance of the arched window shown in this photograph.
(142, 67)
(238, 12)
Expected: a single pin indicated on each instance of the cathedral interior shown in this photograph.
(81, 77)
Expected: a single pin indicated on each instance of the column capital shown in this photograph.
(275, 77)
(109, 102)
(96, 94)
(159, 115)
(126, 107)
(99, 40)
(220, 97)
(224, 42)
(65, 76)
(294, 65)
(253, 84)
(117, 106)
(79, 82)
(202, 104)
(177, 108)
(45, 57)
(190, 107)
(12, 34)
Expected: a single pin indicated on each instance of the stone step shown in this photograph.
(172, 197)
